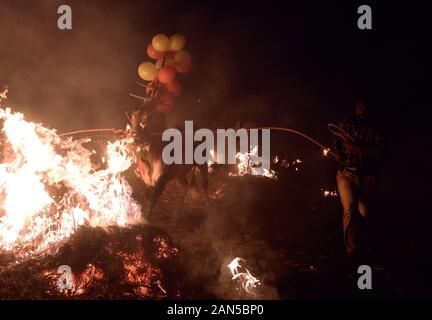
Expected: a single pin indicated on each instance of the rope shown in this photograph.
(338, 131)
(71, 133)
(302, 135)
(112, 130)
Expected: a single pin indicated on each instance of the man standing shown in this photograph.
(358, 146)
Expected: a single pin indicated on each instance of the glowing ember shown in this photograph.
(78, 284)
(247, 280)
(285, 163)
(326, 151)
(164, 251)
(246, 165)
(32, 220)
(141, 274)
(328, 193)
(90, 273)
(3, 95)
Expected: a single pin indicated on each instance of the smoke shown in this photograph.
(71, 79)
(211, 233)
(81, 78)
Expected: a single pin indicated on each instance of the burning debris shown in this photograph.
(284, 163)
(96, 263)
(81, 216)
(326, 151)
(3, 94)
(330, 193)
(49, 187)
(69, 199)
(247, 165)
(247, 281)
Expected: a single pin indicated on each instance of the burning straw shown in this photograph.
(49, 187)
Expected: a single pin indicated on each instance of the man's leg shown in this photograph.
(367, 192)
(347, 188)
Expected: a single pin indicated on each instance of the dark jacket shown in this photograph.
(364, 134)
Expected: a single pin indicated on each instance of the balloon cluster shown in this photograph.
(171, 59)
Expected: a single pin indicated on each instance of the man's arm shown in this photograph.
(338, 143)
(375, 150)
(366, 151)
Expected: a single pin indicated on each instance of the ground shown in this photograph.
(295, 253)
(288, 234)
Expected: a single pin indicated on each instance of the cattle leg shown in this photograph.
(157, 191)
(184, 182)
(203, 179)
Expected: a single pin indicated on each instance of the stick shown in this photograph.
(143, 85)
(138, 97)
(128, 117)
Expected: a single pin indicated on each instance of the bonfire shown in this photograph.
(59, 208)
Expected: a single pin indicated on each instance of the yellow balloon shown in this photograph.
(182, 58)
(177, 42)
(160, 42)
(147, 71)
(168, 62)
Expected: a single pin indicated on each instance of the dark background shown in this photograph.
(300, 65)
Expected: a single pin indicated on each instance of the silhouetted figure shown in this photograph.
(359, 149)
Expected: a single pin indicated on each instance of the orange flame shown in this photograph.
(32, 221)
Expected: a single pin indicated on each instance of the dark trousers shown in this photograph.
(357, 195)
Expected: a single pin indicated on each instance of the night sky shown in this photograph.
(300, 65)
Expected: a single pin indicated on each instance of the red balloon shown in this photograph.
(165, 107)
(152, 53)
(166, 74)
(174, 87)
(184, 69)
(166, 97)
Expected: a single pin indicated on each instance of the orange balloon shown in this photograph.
(153, 53)
(174, 87)
(165, 107)
(166, 97)
(184, 69)
(182, 58)
(166, 74)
